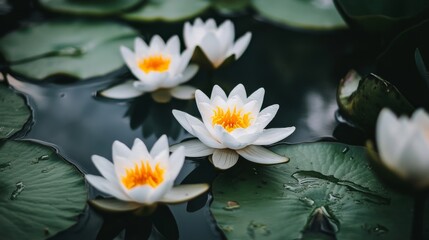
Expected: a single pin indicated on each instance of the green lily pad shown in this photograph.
(89, 7)
(308, 14)
(167, 10)
(383, 18)
(40, 193)
(361, 99)
(230, 6)
(327, 190)
(14, 112)
(78, 48)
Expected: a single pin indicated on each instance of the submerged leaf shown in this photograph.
(40, 193)
(326, 191)
(14, 112)
(361, 99)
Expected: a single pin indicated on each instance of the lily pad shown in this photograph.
(308, 14)
(326, 191)
(14, 112)
(78, 48)
(361, 99)
(40, 193)
(167, 10)
(230, 6)
(90, 7)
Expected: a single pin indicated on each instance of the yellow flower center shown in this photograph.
(142, 175)
(154, 63)
(231, 119)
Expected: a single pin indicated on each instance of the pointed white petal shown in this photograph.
(106, 187)
(105, 167)
(273, 135)
(187, 36)
(187, 74)
(200, 97)
(226, 34)
(239, 91)
(241, 45)
(211, 48)
(124, 90)
(267, 115)
(185, 192)
(218, 92)
(224, 158)
(140, 47)
(210, 24)
(128, 57)
(183, 92)
(198, 22)
(176, 161)
(181, 118)
(386, 135)
(120, 150)
(140, 151)
(160, 145)
(421, 118)
(261, 155)
(205, 137)
(156, 44)
(194, 148)
(173, 45)
(257, 96)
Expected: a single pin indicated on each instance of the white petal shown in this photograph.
(159, 146)
(161, 96)
(185, 192)
(183, 92)
(194, 148)
(173, 45)
(156, 44)
(421, 118)
(140, 151)
(224, 158)
(239, 91)
(124, 90)
(189, 73)
(257, 96)
(267, 115)
(187, 36)
(270, 136)
(241, 45)
(210, 24)
(218, 92)
(198, 22)
(226, 34)
(105, 186)
(211, 48)
(120, 150)
(176, 161)
(181, 118)
(105, 167)
(386, 135)
(147, 195)
(184, 60)
(128, 57)
(205, 137)
(140, 47)
(261, 155)
(200, 97)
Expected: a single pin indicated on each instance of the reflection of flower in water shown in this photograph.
(231, 126)
(217, 43)
(159, 67)
(320, 119)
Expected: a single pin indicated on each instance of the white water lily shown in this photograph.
(403, 144)
(231, 126)
(159, 68)
(217, 43)
(144, 177)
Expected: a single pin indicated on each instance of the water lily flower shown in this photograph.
(231, 126)
(142, 176)
(217, 43)
(159, 67)
(403, 144)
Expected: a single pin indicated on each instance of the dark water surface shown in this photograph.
(299, 71)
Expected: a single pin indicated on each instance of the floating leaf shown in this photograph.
(230, 6)
(309, 14)
(14, 112)
(90, 7)
(40, 193)
(167, 10)
(361, 99)
(78, 48)
(327, 190)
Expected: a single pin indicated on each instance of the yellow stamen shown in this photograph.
(142, 175)
(154, 63)
(231, 120)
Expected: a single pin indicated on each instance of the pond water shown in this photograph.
(299, 71)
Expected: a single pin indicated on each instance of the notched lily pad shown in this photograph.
(167, 10)
(89, 7)
(326, 191)
(40, 193)
(361, 99)
(309, 14)
(14, 112)
(78, 48)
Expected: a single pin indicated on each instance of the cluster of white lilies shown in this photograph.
(232, 125)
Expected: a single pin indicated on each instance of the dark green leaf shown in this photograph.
(327, 190)
(88, 7)
(14, 112)
(40, 193)
(308, 14)
(230, 6)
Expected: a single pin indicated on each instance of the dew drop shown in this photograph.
(346, 149)
(308, 201)
(19, 188)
